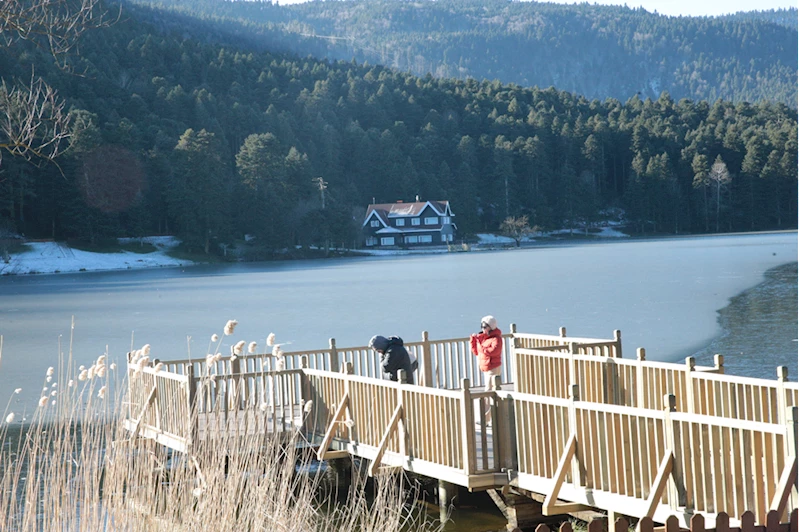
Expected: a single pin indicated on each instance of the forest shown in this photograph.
(592, 50)
(177, 126)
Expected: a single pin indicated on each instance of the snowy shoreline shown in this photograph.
(55, 257)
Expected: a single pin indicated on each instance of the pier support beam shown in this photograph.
(520, 511)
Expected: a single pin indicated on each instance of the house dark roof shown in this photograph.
(397, 210)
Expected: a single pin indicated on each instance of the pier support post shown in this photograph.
(341, 476)
(447, 496)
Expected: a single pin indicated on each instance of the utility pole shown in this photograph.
(322, 184)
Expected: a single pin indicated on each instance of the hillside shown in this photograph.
(595, 51)
(182, 128)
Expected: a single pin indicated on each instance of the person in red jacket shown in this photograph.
(487, 346)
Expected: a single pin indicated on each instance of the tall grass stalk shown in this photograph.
(73, 467)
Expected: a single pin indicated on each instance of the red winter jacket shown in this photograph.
(488, 348)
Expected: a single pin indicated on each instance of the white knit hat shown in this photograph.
(491, 321)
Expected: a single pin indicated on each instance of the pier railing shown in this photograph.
(640, 438)
(398, 425)
(159, 406)
(643, 384)
(650, 463)
(442, 363)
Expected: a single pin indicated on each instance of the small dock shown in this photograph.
(571, 424)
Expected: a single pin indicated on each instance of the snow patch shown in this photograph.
(54, 257)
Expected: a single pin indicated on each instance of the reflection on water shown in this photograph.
(760, 327)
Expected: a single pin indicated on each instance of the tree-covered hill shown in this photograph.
(180, 130)
(596, 51)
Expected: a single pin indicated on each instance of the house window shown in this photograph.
(387, 241)
(411, 239)
(415, 221)
(431, 220)
(443, 238)
(371, 241)
(400, 222)
(425, 239)
(446, 220)
(375, 223)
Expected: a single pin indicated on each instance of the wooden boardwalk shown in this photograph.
(572, 421)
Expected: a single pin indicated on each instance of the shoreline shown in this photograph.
(50, 258)
(759, 304)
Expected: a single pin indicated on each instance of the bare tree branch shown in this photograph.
(33, 122)
(56, 24)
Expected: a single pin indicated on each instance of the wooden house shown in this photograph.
(400, 224)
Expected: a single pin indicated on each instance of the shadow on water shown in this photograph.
(757, 321)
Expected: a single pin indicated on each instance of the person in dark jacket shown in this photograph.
(393, 357)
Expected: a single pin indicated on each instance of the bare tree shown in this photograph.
(517, 228)
(57, 24)
(34, 125)
(720, 177)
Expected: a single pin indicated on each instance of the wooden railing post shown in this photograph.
(718, 362)
(504, 430)
(690, 368)
(348, 369)
(334, 362)
(426, 362)
(782, 399)
(675, 491)
(617, 341)
(510, 358)
(192, 399)
(402, 434)
(613, 390)
(467, 426)
(305, 393)
(574, 396)
(640, 393)
(791, 442)
(234, 384)
(572, 363)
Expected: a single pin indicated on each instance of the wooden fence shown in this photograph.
(562, 342)
(643, 384)
(159, 406)
(648, 462)
(425, 430)
(248, 403)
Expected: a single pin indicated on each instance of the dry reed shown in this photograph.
(73, 467)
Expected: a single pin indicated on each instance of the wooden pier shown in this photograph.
(572, 423)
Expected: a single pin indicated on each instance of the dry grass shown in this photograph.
(72, 467)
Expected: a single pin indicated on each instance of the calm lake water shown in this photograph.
(664, 295)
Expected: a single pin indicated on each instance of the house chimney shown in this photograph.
(417, 198)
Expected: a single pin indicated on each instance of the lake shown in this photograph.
(664, 295)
